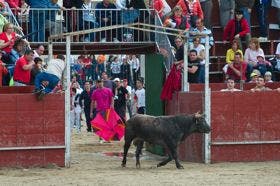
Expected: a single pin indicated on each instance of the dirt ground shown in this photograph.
(99, 164)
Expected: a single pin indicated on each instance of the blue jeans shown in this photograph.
(262, 17)
(44, 76)
(246, 15)
(201, 76)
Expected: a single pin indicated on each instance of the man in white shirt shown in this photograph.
(45, 82)
(40, 49)
(140, 98)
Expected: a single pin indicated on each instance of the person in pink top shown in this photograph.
(102, 99)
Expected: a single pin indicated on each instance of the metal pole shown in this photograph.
(207, 105)
(31, 148)
(185, 85)
(50, 49)
(67, 104)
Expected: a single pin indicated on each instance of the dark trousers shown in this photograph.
(121, 110)
(262, 17)
(88, 119)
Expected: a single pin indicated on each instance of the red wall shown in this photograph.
(24, 121)
(235, 117)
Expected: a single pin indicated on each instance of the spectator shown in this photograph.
(276, 4)
(268, 77)
(238, 29)
(17, 50)
(230, 86)
(14, 5)
(36, 69)
(159, 7)
(120, 99)
(140, 97)
(178, 21)
(40, 49)
(237, 69)
(276, 60)
(231, 52)
(4, 10)
(73, 17)
(23, 15)
(191, 9)
(107, 82)
(260, 85)
(23, 67)
(128, 97)
(89, 20)
(135, 65)
(246, 7)
(100, 65)
(3, 69)
(3, 21)
(85, 102)
(77, 86)
(206, 6)
(226, 8)
(106, 18)
(76, 110)
(201, 29)
(116, 67)
(263, 65)
(252, 53)
(52, 76)
(262, 10)
(254, 77)
(193, 67)
(7, 38)
(200, 49)
(125, 70)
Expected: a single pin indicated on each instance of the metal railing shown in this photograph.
(42, 23)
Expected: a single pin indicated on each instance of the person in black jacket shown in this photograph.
(85, 101)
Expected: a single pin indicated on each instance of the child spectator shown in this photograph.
(268, 77)
(140, 97)
(260, 85)
(263, 65)
(238, 29)
(254, 77)
(36, 69)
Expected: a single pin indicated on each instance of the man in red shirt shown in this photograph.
(237, 69)
(22, 69)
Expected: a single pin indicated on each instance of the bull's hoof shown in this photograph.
(180, 167)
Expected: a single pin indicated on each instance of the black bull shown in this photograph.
(167, 131)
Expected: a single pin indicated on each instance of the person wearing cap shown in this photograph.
(237, 28)
(268, 77)
(46, 81)
(120, 99)
(254, 77)
(260, 85)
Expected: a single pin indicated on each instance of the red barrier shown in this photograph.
(31, 131)
(244, 126)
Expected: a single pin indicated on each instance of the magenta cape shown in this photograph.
(110, 127)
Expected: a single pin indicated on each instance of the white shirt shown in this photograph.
(135, 64)
(140, 94)
(128, 88)
(35, 54)
(198, 49)
(56, 67)
(278, 49)
(120, 4)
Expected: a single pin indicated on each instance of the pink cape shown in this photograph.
(109, 127)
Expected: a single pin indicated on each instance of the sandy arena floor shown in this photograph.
(99, 164)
